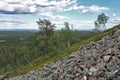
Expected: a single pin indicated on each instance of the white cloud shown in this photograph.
(32, 9)
(87, 9)
(38, 6)
(114, 19)
(93, 9)
(49, 15)
(11, 21)
(77, 24)
(83, 24)
(6, 25)
(9, 25)
(14, 25)
(114, 14)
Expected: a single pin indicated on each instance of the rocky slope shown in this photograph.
(98, 60)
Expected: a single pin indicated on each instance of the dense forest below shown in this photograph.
(18, 48)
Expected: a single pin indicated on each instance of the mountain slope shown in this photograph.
(54, 57)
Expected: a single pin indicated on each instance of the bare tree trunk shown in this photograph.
(68, 43)
(46, 45)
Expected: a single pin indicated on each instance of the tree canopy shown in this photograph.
(46, 27)
(101, 21)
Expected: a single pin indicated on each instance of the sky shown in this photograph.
(23, 14)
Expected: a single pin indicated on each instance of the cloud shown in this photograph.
(41, 6)
(6, 26)
(11, 7)
(87, 9)
(114, 19)
(83, 24)
(77, 24)
(9, 24)
(49, 15)
(32, 6)
(93, 9)
(12, 21)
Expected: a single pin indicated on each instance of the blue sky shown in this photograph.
(23, 14)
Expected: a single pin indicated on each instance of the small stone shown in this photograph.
(106, 58)
(101, 72)
(46, 73)
(55, 77)
(84, 77)
(93, 71)
(77, 74)
(119, 46)
(92, 78)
